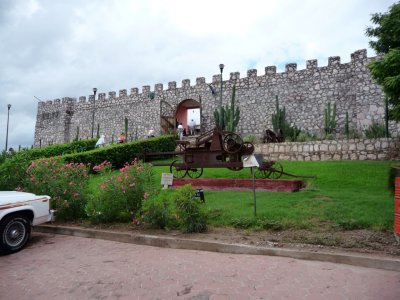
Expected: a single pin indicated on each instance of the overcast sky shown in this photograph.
(57, 48)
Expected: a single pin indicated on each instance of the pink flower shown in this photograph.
(146, 195)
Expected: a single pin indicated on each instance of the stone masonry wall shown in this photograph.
(304, 93)
(374, 149)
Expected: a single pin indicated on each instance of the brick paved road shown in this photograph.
(65, 267)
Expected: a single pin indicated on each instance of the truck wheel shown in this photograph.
(15, 231)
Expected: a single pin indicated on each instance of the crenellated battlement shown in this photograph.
(303, 92)
(358, 57)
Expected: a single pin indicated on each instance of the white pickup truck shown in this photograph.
(18, 212)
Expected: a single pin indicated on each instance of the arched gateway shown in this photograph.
(185, 111)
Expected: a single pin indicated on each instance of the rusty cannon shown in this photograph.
(217, 149)
(213, 149)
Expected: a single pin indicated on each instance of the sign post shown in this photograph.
(166, 180)
(250, 161)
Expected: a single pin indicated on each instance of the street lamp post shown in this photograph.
(94, 107)
(221, 67)
(8, 118)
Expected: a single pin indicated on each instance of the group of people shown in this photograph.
(101, 142)
(182, 131)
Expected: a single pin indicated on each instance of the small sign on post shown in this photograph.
(250, 161)
(166, 180)
(200, 195)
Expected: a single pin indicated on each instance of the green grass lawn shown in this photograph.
(345, 195)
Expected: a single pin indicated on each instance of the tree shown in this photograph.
(386, 70)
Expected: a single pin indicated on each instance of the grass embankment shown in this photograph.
(345, 195)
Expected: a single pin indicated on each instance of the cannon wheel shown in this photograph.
(233, 158)
(248, 148)
(276, 171)
(232, 142)
(260, 174)
(195, 172)
(178, 171)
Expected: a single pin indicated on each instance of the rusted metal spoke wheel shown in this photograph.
(178, 169)
(233, 158)
(248, 148)
(276, 171)
(261, 174)
(232, 143)
(195, 172)
(235, 168)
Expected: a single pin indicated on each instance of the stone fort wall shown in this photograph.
(304, 93)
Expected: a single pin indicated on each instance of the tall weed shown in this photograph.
(189, 210)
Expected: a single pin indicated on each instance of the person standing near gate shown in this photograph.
(121, 138)
(101, 141)
(180, 131)
(191, 125)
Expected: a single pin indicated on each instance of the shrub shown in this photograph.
(251, 138)
(121, 195)
(4, 155)
(61, 149)
(118, 154)
(291, 133)
(305, 137)
(242, 223)
(189, 210)
(354, 134)
(375, 130)
(12, 170)
(158, 212)
(65, 183)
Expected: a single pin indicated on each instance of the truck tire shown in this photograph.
(15, 231)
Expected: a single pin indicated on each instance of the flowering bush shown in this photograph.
(103, 168)
(65, 183)
(121, 195)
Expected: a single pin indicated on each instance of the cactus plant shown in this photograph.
(281, 126)
(330, 118)
(279, 118)
(126, 127)
(98, 130)
(387, 117)
(77, 133)
(227, 118)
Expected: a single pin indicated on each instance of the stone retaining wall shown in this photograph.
(357, 149)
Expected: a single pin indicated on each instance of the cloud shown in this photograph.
(58, 49)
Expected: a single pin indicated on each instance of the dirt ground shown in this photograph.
(356, 241)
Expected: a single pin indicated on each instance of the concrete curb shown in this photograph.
(367, 261)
